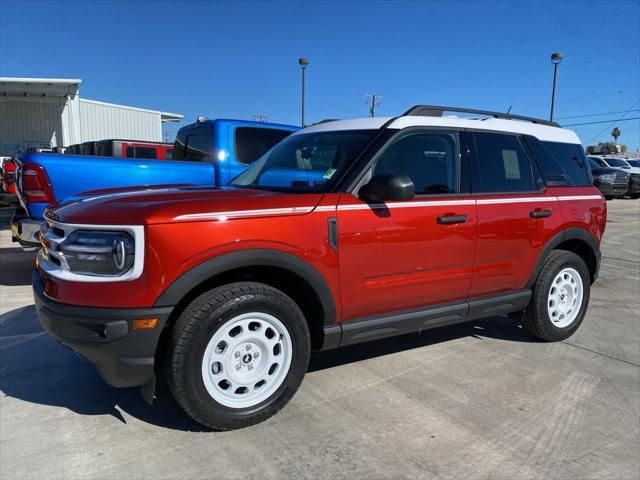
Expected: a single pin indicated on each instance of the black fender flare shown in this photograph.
(569, 234)
(190, 279)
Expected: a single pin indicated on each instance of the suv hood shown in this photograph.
(603, 170)
(172, 203)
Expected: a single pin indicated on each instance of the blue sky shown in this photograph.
(237, 59)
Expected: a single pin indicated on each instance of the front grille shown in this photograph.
(622, 177)
(50, 239)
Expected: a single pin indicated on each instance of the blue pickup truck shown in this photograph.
(207, 152)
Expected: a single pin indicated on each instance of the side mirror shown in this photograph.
(387, 186)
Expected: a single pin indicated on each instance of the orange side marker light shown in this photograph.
(145, 323)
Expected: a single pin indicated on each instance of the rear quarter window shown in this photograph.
(562, 163)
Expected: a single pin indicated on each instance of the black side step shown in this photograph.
(408, 321)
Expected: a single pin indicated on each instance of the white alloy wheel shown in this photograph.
(247, 360)
(565, 297)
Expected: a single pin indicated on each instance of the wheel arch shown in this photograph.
(576, 240)
(288, 273)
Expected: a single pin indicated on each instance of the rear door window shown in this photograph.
(253, 142)
(503, 165)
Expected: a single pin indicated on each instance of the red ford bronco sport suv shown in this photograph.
(344, 232)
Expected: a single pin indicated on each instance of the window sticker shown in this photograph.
(329, 173)
(511, 165)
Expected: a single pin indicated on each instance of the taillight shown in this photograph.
(35, 184)
(8, 174)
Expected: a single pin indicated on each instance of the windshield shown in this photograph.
(634, 163)
(616, 162)
(593, 164)
(305, 162)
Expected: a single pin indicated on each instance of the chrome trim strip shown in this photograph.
(221, 216)
(243, 213)
(580, 197)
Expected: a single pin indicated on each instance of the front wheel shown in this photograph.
(560, 297)
(237, 354)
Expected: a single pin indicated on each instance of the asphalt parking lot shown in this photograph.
(471, 401)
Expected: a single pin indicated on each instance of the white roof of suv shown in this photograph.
(546, 133)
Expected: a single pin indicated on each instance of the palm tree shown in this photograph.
(615, 133)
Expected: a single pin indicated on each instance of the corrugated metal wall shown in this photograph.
(30, 123)
(99, 121)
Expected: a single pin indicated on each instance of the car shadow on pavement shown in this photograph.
(16, 266)
(35, 368)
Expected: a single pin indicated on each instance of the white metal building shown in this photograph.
(48, 112)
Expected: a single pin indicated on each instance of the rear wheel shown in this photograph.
(560, 297)
(237, 354)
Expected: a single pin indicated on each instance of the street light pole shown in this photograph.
(556, 58)
(303, 62)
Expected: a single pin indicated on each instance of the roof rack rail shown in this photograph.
(437, 111)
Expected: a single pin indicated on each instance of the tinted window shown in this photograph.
(599, 162)
(141, 152)
(572, 160)
(193, 144)
(504, 166)
(252, 142)
(311, 162)
(428, 158)
(593, 164)
(634, 163)
(103, 149)
(616, 162)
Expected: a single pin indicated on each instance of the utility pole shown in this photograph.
(304, 63)
(373, 103)
(260, 118)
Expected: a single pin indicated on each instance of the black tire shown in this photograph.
(194, 329)
(634, 195)
(536, 320)
(608, 197)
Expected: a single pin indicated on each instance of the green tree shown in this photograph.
(615, 133)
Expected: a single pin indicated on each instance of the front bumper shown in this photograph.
(634, 188)
(104, 336)
(25, 231)
(612, 189)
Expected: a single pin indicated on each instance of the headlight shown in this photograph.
(98, 253)
(607, 178)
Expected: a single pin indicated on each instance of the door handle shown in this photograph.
(540, 213)
(451, 219)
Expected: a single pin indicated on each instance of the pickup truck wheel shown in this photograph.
(237, 354)
(560, 297)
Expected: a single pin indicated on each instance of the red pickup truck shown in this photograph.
(389, 226)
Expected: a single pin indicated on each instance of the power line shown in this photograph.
(596, 114)
(603, 121)
(612, 123)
